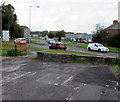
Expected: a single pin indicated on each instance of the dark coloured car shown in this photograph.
(59, 46)
(82, 41)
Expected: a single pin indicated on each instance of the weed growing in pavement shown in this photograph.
(116, 67)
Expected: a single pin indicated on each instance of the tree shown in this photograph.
(114, 41)
(60, 34)
(21, 31)
(44, 33)
(9, 20)
(99, 34)
(51, 34)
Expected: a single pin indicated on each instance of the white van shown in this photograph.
(51, 41)
(97, 47)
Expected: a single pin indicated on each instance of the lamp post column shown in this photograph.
(29, 23)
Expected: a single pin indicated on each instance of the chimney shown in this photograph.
(115, 21)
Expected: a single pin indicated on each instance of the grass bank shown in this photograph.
(8, 46)
(36, 48)
(69, 43)
(69, 52)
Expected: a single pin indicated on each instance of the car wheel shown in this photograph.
(89, 48)
(99, 50)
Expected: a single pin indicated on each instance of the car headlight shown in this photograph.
(102, 49)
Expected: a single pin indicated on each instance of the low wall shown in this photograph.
(67, 58)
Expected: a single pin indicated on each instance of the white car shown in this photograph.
(20, 40)
(97, 47)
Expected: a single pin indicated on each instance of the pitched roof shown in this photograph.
(115, 26)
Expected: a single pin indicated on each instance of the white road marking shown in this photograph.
(58, 77)
(38, 79)
(56, 84)
(49, 83)
(31, 74)
(19, 76)
(66, 81)
(76, 88)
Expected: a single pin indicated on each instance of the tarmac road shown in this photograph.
(27, 78)
(76, 49)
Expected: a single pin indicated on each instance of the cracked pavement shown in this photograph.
(27, 78)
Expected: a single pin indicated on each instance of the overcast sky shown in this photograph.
(69, 15)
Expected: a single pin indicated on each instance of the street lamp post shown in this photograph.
(30, 20)
(1, 7)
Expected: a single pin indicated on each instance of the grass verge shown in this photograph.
(114, 49)
(83, 45)
(36, 48)
(69, 52)
(69, 43)
(7, 46)
(5, 53)
(34, 40)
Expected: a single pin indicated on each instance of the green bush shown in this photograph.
(114, 41)
(117, 61)
(24, 53)
(14, 52)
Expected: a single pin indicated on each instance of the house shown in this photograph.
(26, 33)
(6, 35)
(113, 29)
(83, 36)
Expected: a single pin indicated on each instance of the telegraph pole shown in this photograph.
(30, 20)
(119, 11)
(1, 6)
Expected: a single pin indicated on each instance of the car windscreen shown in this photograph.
(62, 44)
(20, 39)
(100, 45)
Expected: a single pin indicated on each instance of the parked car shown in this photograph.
(82, 41)
(60, 46)
(72, 39)
(51, 41)
(20, 40)
(97, 47)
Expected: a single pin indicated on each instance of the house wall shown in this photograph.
(83, 36)
(112, 32)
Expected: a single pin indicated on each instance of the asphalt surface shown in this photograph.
(76, 49)
(27, 78)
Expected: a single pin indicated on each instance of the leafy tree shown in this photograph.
(114, 41)
(70, 32)
(44, 33)
(9, 20)
(51, 34)
(60, 34)
(21, 31)
(99, 34)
